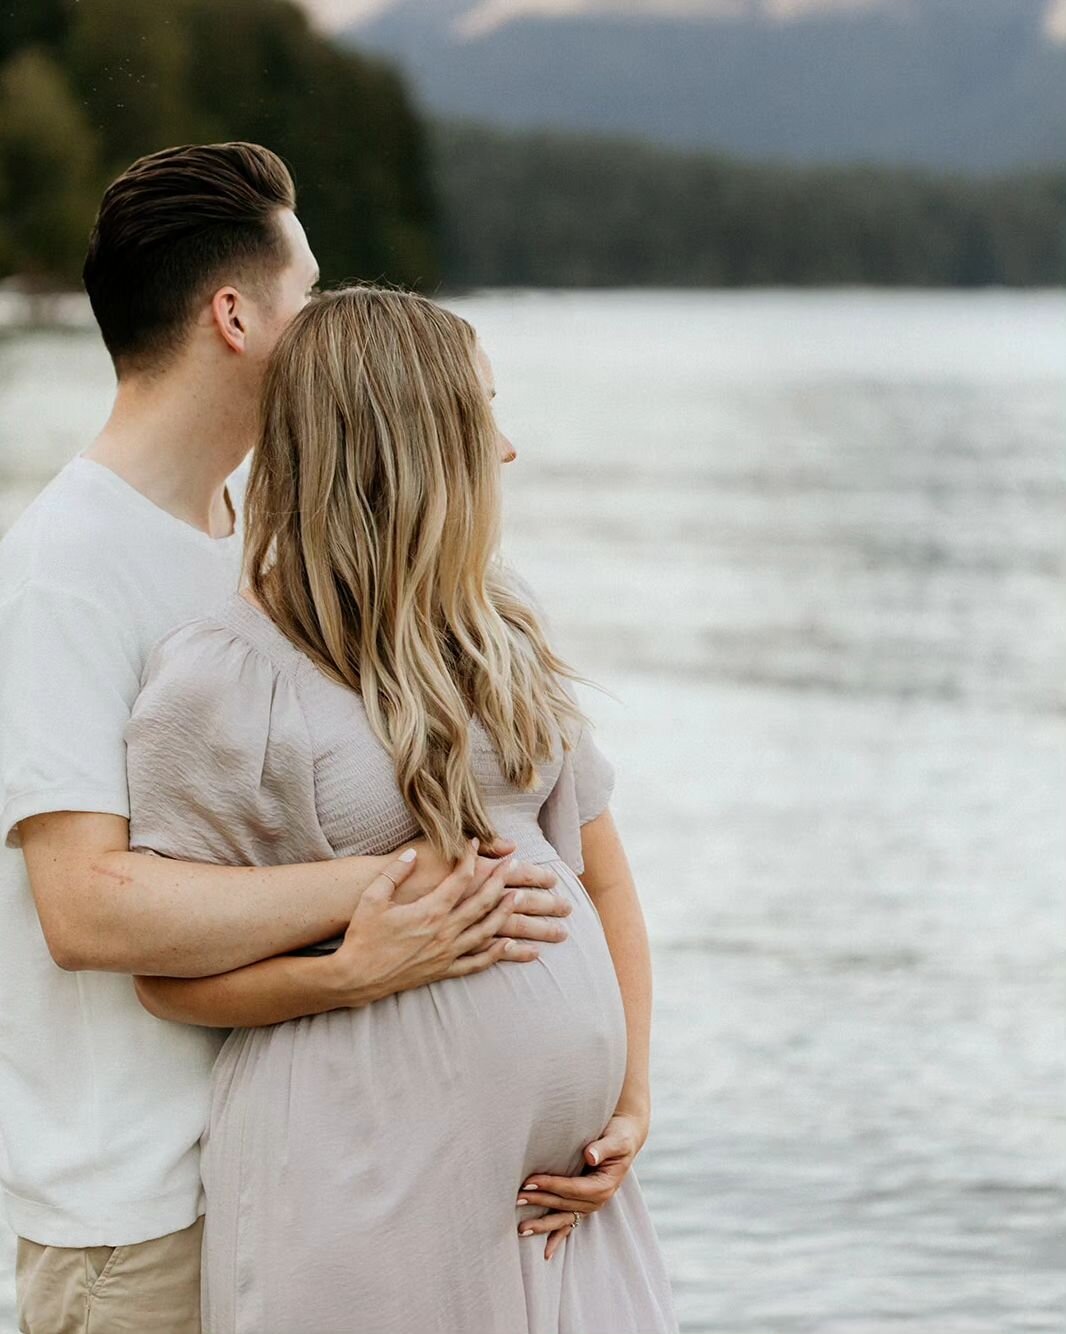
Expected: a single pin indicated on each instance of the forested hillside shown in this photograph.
(542, 209)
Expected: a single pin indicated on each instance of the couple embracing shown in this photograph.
(326, 987)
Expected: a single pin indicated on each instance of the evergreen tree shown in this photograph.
(47, 171)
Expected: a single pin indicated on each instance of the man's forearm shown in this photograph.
(156, 916)
(103, 907)
(269, 992)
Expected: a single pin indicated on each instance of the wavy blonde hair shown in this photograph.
(372, 527)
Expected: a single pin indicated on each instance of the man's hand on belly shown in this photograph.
(536, 916)
(536, 911)
(536, 908)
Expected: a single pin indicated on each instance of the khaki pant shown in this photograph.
(150, 1287)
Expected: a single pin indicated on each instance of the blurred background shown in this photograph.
(772, 290)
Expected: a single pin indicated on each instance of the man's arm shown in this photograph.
(105, 908)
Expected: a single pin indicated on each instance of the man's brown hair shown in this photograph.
(170, 226)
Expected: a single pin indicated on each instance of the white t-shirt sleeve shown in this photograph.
(68, 679)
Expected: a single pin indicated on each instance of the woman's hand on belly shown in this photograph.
(612, 1154)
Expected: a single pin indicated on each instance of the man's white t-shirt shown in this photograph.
(101, 1104)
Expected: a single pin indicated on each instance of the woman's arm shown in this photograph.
(262, 993)
(609, 882)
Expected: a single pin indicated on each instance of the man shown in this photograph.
(196, 263)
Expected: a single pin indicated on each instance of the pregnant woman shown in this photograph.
(406, 1165)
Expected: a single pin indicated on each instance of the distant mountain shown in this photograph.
(963, 84)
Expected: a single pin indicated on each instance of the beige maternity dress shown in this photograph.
(361, 1167)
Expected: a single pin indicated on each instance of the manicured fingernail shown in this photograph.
(510, 947)
(408, 855)
(522, 1200)
(519, 895)
(525, 1232)
(530, 1185)
(594, 1156)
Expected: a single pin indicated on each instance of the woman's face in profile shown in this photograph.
(507, 451)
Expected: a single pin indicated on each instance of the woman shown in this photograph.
(390, 1167)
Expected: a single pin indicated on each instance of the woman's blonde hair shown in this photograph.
(372, 526)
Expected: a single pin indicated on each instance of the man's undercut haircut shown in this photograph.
(172, 227)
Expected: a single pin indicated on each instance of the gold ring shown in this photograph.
(395, 883)
(577, 1218)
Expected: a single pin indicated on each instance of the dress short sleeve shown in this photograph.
(581, 792)
(218, 755)
(586, 781)
(593, 777)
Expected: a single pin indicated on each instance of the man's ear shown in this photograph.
(227, 311)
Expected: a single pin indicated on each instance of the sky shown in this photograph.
(487, 14)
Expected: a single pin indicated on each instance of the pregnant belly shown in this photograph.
(524, 1059)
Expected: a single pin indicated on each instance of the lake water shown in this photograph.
(813, 544)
